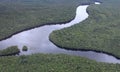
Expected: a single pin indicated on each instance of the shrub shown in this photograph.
(24, 48)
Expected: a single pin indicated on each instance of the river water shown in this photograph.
(37, 40)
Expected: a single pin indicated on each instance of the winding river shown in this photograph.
(37, 40)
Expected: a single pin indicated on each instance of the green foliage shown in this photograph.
(53, 63)
(100, 31)
(18, 15)
(25, 48)
(13, 50)
(22, 60)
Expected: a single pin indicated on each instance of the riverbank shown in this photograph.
(10, 51)
(38, 42)
(100, 32)
(53, 63)
(21, 15)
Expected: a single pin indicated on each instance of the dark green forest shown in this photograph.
(99, 32)
(53, 63)
(13, 50)
(19, 15)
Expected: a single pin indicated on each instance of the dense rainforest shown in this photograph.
(20, 15)
(53, 63)
(100, 31)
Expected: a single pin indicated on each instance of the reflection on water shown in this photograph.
(97, 3)
(38, 42)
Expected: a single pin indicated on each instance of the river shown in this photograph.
(37, 40)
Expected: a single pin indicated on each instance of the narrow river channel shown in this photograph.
(37, 40)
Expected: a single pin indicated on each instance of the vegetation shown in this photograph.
(13, 50)
(53, 63)
(101, 31)
(19, 15)
(25, 48)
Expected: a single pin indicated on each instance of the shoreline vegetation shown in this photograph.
(50, 63)
(99, 32)
(21, 15)
(82, 49)
(13, 50)
(59, 62)
(53, 63)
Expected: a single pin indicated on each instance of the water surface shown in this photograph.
(37, 40)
